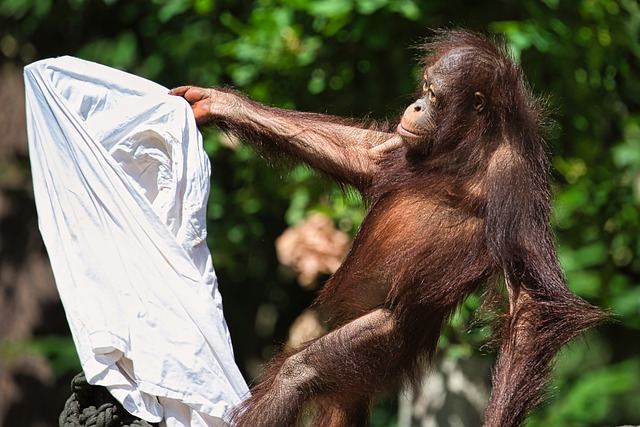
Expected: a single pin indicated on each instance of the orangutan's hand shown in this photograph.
(200, 99)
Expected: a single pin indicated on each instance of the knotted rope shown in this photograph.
(93, 406)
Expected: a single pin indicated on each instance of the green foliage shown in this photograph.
(354, 57)
(601, 392)
(59, 351)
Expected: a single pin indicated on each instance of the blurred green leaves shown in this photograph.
(59, 351)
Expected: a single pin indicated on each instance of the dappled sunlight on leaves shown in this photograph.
(312, 247)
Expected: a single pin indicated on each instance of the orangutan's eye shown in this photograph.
(431, 96)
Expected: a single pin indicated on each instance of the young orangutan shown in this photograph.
(458, 199)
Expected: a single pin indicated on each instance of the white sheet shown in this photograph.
(121, 183)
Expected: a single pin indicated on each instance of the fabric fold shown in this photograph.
(121, 183)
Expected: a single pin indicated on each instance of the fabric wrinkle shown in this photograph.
(121, 182)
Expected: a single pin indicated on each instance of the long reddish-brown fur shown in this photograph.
(468, 209)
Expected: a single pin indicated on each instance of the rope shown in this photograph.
(93, 406)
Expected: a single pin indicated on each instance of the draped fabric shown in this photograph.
(121, 184)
